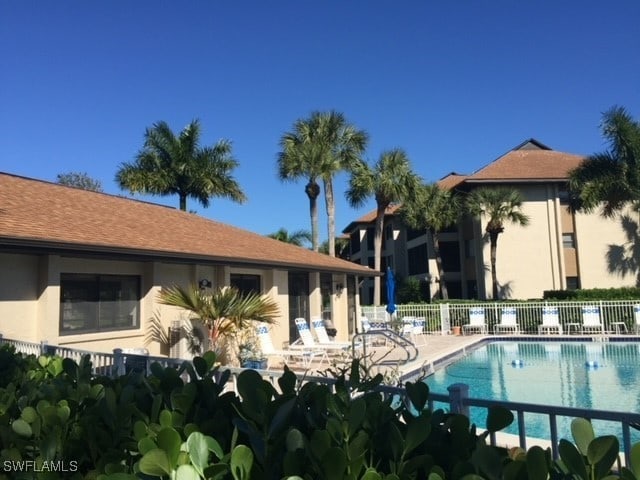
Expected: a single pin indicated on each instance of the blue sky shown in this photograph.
(456, 84)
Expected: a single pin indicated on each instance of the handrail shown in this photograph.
(410, 350)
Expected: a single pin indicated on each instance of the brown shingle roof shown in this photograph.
(39, 214)
(451, 180)
(528, 165)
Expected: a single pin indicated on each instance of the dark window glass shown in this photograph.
(417, 257)
(355, 242)
(246, 283)
(568, 240)
(369, 236)
(413, 234)
(450, 253)
(573, 283)
(95, 303)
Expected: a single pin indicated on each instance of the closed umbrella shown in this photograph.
(391, 292)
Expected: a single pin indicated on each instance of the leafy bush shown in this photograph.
(625, 293)
(182, 424)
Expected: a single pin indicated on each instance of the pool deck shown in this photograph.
(440, 349)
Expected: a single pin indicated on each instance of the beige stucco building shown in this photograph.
(83, 269)
(558, 250)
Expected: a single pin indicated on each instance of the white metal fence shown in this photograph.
(618, 316)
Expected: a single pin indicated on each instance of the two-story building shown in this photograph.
(559, 249)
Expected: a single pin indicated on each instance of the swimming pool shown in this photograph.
(589, 375)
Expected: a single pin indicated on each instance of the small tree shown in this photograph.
(79, 180)
(432, 209)
(499, 205)
(390, 180)
(224, 312)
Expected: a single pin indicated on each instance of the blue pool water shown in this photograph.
(590, 375)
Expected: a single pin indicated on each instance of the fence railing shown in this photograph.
(457, 401)
(619, 316)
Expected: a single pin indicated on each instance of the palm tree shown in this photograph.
(317, 148)
(169, 165)
(499, 205)
(612, 177)
(390, 180)
(294, 238)
(224, 312)
(432, 209)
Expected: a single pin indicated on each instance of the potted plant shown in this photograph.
(226, 312)
(250, 353)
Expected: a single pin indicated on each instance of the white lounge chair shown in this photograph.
(591, 319)
(550, 320)
(419, 334)
(309, 343)
(508, 321)
(476, 321)
(268, 350)
(636, 316)
(323, 337)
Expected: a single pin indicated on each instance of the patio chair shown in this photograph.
(320, 330)
(636, 316)
(476, 321)
(309, 343)
(591, 319)
(508, 321)
(418, 333)
(269, 351)
(550, 320)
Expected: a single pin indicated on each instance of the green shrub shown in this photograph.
(163, 426)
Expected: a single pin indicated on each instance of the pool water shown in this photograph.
(589, 375)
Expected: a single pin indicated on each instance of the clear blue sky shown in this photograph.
(454, 83)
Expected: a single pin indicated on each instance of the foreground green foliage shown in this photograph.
(163, 426)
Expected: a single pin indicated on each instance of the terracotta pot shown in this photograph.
(455, 330)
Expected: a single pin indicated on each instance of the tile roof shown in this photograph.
(38, 214)
(370, 217)
(528, 165)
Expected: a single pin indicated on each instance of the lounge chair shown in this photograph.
(591, 319)
(323, 337)
(508, 321)
(309, 343)
(550, 320)
(268, 350)
(636, 316)
(419, 334)
(476, 321)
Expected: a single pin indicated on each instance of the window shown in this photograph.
(573, 283)
(413, 234)
(355, 242)
(388, 231)
(450, 253)
(418, 259)
(370, 234)
(246, 283)
(568, 240)
(96, 303)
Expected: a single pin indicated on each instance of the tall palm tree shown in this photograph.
(177, 165)
(317, 148)
(499, 205)
(433, 209)
(612, 177)
(390, 180)
(298, 238)
(224, 312)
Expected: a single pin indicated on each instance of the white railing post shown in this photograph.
(118, 362)
(458, 394)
